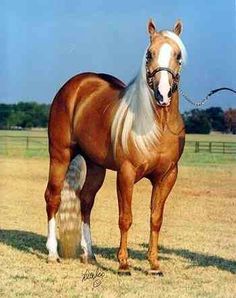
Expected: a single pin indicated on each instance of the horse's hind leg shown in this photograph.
(57, 172)
(94, 180)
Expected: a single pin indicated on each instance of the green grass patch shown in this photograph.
(24, 133)
(203, 158)
(213, 137)
(23, 145)
(34, 143)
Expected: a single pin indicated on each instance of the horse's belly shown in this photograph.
(96, 149)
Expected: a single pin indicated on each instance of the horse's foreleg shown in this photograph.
(57, 172)
(125, 183)
(94, 180)
(160, 192)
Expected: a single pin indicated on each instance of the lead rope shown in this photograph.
(204, 100)
(198, 103)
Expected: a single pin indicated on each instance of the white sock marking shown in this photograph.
(86, 241)
(52, 239)
(163, 61)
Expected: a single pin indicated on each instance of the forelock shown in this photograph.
(178, 41)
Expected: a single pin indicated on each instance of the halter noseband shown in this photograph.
(175, 77)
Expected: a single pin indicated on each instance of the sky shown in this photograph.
(44, 43)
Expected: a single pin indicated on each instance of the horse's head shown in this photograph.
(164, 57)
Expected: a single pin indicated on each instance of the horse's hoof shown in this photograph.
(88, 259)
(53, 259)
(124, 272)
(92, 260)
(157, 273)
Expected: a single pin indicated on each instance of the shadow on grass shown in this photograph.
(24, 241)
(111, 252)
(34, 244)
(196, 259)
(200, 259)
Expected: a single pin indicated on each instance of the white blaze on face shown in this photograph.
(164, 61)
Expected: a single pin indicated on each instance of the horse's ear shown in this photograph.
(178, 28)
(151, 27)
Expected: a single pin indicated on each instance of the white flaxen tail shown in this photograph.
(69, 215)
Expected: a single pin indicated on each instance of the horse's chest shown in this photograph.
(167, 154)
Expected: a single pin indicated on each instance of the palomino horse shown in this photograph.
(98, 123)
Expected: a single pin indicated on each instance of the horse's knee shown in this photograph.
(125, 222)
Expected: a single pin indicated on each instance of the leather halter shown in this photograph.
(175, 77)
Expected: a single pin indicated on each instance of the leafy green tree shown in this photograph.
(230, 120)
(24, 114)
(5, 111)
(216, 117)
(196, 121)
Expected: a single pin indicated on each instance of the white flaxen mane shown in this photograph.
(135, 116)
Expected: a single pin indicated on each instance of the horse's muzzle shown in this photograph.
(160, 99)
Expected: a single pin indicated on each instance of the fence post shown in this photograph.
(196, 146)
(27, 142)
(6, 145)
(210, 146)
(223, 147)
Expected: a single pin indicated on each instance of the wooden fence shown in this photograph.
(215, 147)
(23, 144)
(39, 145)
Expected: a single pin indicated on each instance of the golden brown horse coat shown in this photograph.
(81, 122)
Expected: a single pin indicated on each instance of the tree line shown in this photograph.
(31, 114)
(23, 115)
(211, 119)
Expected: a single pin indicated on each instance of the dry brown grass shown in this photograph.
(198, 243)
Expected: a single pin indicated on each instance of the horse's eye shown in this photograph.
(148, 55)
(179, 57)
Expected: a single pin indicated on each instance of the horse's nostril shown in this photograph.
(158, 96)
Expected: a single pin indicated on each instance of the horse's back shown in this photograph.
(113, 81)
(89, 80)
(81, 87)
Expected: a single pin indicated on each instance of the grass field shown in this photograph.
(33, 143)
(197, 243)
(189, 137)
(24, 133)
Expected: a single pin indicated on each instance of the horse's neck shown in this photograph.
(139, 120)
(169, 115)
